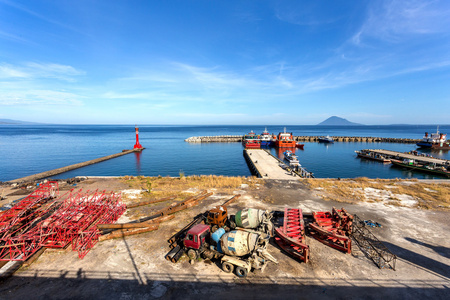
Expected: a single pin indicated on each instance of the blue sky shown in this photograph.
(225, 62)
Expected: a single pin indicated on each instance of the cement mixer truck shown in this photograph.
(238, 250)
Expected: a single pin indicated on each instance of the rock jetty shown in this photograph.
(238, 138)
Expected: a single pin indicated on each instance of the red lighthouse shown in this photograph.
(137, 145)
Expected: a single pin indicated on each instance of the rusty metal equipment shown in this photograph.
(333, 229)
(66, 220)
(291, 236)
(371, 246)
(217, 216)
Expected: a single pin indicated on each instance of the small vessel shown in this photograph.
(300, 146)
(251, 141)
(266, 138)
(291, 157)
(373, 156)
(285, 140)
(426, 168)
(326, 139)
(435, 141)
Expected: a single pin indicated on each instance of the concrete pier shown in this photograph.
(238, 138)
(400, 155)
(266, 166)
(72, 167)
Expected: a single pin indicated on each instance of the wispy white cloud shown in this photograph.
(39, 70)
(396, 20)
(39, 97)
(39, 16)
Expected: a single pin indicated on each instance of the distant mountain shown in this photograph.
(14, 122)
(336, 121)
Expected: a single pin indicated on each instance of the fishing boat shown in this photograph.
(373, 156)
(285, 140)
(300, 146)
(251, 141)
(266, 138)
(426, 168)
(326, 139)
(434, 141)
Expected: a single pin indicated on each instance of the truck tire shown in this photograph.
(192, 255)
(241, 272)
(227, 267)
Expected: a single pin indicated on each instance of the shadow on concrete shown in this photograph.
(443, 251)
(419, 260)
(79, 284)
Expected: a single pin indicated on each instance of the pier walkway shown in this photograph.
(72, 167)
(400, 155)
(267, 166)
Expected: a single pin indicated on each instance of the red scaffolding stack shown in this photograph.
(67, 220)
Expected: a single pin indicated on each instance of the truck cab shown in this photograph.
(196, 237)
(217, 216)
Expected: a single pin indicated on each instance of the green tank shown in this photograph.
(250, 217)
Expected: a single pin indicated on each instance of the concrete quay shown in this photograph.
(238, 138)
(266, 166)
(400, 155)
(72, 167)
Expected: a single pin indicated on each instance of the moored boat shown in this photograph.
(285, 140)
(266, 138)
(251, 141)
(326, 139)
(291, 157)
(373, 156)
(300, 146)
(435, 141)
(430, 168)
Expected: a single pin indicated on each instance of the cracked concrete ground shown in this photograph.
(134, 267)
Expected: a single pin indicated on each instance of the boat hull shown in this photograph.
(285, 144)
(382, 160)
(420, 168)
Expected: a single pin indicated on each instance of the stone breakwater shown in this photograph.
(238, 138)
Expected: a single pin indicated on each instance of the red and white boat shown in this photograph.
(251, 141)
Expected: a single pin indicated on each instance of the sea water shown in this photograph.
(30, 149)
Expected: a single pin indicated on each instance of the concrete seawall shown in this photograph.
(238, 138)
(72, 167)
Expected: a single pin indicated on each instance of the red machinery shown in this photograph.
(291, 236)
(333, 229)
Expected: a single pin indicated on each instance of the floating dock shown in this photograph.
(400, 155)
(238, 138)
(73, 167)
(266, 166)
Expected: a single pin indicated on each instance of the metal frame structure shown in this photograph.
(333, 229)
(58, 223)
(291, 236)
(371, 246)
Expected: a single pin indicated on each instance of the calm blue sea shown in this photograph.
(30, 149)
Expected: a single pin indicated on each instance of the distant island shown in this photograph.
(336, 121)
(15, 122)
